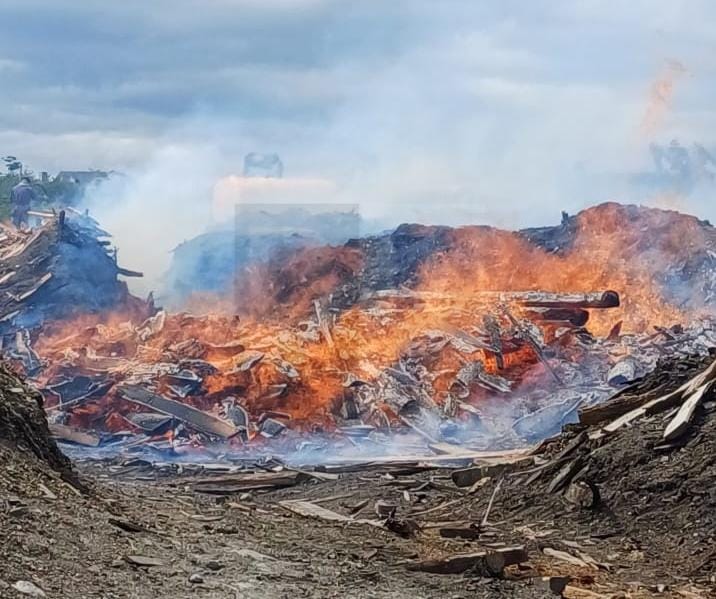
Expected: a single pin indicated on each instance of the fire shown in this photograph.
(600, 256)
(660, 97)
(285, 343)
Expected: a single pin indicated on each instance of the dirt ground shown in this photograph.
(145, 532)
(76, 546)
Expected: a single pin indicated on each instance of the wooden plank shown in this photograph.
(196, 419)
(565, 475)
(311, 510)
(563, 556)
(617, 406)
(460, 532)
(252, 481)
(72, 435)
(680, 423)
(467, 477)
(30, 292)
(489, 561)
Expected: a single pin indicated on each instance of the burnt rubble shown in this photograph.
(450, 370)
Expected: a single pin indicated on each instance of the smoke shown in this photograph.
(156, 207)
(470, 128)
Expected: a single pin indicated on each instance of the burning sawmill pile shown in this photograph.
(457, 339)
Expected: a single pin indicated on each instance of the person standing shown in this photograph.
(21, 199)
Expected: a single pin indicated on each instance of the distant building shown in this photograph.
(82, 177)
(263, 165)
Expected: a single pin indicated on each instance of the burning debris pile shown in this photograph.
(59, 270)
(474, 337)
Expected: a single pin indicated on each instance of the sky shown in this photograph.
(456, 111)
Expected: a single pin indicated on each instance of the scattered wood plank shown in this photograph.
(492, 562)
(254, 481)
(201, 421)
(126, 525)
(311, 510)
(485, 517)
(563, 556)
(471, 532)
(21, 297)
(322, 316)
(665, 402)
(467, 477)
(72, 435)
(619, 405)
(565, 475)
(680, 423)
(437, 508)
(7, 276)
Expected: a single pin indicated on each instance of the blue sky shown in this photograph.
(450, 111)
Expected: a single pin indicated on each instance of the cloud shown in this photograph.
(448, 112)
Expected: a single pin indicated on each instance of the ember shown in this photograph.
(473, 336)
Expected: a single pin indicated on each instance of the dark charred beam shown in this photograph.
(607, 299)
(577, 317)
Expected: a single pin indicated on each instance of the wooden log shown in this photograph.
(201, 421)
(125, 272)
(606, 299)
(576, 317)
(528, 299)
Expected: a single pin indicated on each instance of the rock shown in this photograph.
(28, 588)
(214, 565)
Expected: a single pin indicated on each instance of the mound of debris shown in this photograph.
(447, 333)
(59, 270)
